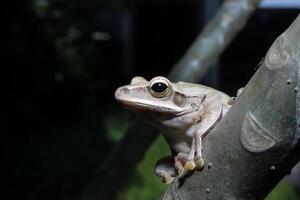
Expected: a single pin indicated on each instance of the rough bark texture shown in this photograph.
(258, 141)
(216, 36)
(224, 26)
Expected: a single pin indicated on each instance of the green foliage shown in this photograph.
(115, 125)
(147, 186)
(283, 191)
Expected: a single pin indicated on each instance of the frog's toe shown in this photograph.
(189, 165)
(181, 172)
(167, 179)
(199, 163)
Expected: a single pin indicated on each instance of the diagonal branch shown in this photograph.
(215, 37)
(225, 25)
(258, 141)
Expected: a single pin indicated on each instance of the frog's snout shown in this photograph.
(120, 92)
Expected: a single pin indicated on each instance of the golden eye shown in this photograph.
(160, 87)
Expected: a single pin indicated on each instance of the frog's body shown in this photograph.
(184, 112)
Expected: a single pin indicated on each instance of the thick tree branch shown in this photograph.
(215, 37)
(294, 179)
(118, 168)
(258, 141)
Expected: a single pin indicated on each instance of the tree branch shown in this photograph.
(258, 141)
(117, 168)
(215, 37)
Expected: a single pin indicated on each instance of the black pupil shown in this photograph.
(159, 87)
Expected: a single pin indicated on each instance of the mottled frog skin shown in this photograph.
(184, 112)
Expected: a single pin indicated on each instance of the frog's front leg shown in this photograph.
(213, 107)
(190, 164)
(199, 159)
(165, 169)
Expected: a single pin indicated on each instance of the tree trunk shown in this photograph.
(258, 141)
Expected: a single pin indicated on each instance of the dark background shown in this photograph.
(62, 61)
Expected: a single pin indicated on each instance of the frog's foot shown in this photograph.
(190, 165)
(200, 163)
(165, 169)
(181, 172)
(180, 162)
(165, 176)
(167, 179)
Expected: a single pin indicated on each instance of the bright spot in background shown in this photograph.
(280, 4)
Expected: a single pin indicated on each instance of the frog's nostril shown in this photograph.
(125, 90)
(121, 93)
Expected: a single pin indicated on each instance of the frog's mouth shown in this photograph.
(149, 106)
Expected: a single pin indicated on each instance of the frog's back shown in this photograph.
(192, 89)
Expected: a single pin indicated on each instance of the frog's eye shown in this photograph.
(160, 87)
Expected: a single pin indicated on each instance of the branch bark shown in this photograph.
(215, 37)
(224, 26)
(258, 141)
(294, 179)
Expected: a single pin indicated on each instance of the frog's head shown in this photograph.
(158, 97)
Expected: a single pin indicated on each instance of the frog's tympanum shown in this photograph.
(184, 112)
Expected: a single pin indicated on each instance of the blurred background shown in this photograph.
(63, 61)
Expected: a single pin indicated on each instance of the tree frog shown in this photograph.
(184, 112)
